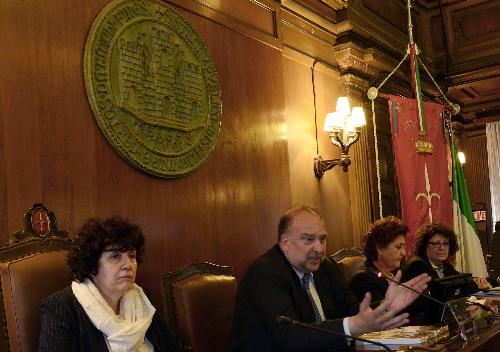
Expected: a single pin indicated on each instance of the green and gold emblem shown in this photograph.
(153, 87)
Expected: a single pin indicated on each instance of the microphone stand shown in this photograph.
(289, 321)
(446, 305)
(379, 274)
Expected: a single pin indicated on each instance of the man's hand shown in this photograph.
(385, 315)
(481, 283)
(378, 319)
(400, 297)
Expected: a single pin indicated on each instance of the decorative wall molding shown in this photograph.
(307, 14)
(307, 60)
(306, 32)
(258, 19)
(336, 4)
(377, 29)
(354, 87)
(352, 58)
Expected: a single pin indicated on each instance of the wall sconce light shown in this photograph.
(344, 128)
(461, 157)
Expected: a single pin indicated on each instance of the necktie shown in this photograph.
(306, 279)
(440, 271)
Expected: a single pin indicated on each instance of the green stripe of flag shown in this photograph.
(417, 84)
(460, 194)
(470, 257)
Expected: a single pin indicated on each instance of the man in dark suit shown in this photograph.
(294, 279)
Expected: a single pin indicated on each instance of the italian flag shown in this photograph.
(469, 258)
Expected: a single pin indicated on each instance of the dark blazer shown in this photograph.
(66, 327)
(271, 288)
(423, 306)
(419, 265)
(366, 281)
(495, 256)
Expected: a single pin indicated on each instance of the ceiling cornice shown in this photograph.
(335, 4)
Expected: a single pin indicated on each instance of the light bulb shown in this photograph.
(333, 121)
(343, 106)
(461, 157)
(350, 127)
(358, 116)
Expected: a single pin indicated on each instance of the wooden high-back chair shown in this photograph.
(350, 261)
(199, 303)
(32, 266)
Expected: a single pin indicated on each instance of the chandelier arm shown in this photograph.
(321, 166)
(337, 143)
(336, 140)
(352, 140)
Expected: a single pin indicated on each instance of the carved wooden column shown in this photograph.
(359, 179)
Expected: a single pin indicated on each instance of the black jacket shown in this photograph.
(418, 265)
(366, 281)
(66, 327)
(271, 288)
(430, 311)
(495, 256)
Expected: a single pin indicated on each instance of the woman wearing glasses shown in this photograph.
(436, 243)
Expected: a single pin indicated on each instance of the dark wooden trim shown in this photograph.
(484, 120)
(272, 38)
(26, 243)
(4, 333)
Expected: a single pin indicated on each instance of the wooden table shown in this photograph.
(489, 340)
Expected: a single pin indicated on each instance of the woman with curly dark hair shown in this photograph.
(436, 243)
(384, 249)
(104, 310)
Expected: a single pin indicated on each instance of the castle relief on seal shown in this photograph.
(153, 87)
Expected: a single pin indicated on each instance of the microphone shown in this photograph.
(379, 274)
(289, 321)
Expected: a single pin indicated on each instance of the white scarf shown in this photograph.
(126, 331)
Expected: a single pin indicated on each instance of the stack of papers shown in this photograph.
(406, 335)
(494, 292)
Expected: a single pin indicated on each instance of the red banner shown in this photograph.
(421, 165)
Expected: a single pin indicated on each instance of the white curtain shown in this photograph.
(493, 147)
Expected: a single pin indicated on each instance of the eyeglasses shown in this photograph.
(439, 244)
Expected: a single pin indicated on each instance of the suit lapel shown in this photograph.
(303, 306)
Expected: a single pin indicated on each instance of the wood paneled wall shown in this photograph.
(52, 151)
(331, 193)
(473, 144)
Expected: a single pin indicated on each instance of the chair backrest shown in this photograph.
(32, 266)
(347, 252)
(350, 266)
(199, 302)
(350, 261)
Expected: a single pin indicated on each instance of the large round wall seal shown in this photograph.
(153, 87)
